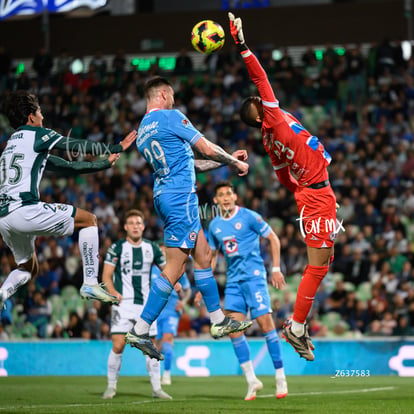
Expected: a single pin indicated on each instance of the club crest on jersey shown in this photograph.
(231, 247)
(192, 236)
(238, 225)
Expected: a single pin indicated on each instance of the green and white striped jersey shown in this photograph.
(22, 164)
(132, 275)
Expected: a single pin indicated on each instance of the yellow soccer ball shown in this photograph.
(207, 37)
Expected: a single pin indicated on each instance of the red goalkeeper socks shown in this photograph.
(312, 278)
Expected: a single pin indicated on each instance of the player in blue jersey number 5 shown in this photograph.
(236, 233)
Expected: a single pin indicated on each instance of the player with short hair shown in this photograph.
(300, 162)
(127, 275)
(165, 139)
(236, 233)
(23, 216)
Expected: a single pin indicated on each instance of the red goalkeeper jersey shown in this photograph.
(286, 141)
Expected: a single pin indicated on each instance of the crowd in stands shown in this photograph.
(360, 106)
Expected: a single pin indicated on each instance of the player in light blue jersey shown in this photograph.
(236, 233)
(167, 322)
(166, 139)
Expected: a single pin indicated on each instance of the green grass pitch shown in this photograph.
(375, 394)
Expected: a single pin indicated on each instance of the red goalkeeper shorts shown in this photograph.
(317, 216)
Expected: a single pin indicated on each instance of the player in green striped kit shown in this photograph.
(23, 216)
(127, 275)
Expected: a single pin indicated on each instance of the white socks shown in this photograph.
(141, 327)
(217, 316)
(248, 370)
(298, 329)
(89, 250)
(154, 371)
(114, 366)
(15, 279)
(280, 374)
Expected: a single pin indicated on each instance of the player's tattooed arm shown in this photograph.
(216, 153)
(206, 165)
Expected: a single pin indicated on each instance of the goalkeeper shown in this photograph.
(300, 162)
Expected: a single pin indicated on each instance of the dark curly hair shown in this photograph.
(18, 106)
(246, 111)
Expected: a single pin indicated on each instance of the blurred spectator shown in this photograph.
(336, 299)
(48, 279)
(42, 64)
(357, 269)
(183, 63)
(75, 326)
(58, 331)
(3, 334)
(39, 313)
(201, 320)
(5, 67)
(92, 325)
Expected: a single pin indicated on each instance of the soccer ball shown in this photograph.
(207, 37)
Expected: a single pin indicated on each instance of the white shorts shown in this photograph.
(20, 227)
(124, 317)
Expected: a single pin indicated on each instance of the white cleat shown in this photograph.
(166, 378)
(97, 292)
(281, 388)
(161, 394)
(109, 393)
(253, 387)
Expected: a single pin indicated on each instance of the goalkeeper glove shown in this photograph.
(237, 31)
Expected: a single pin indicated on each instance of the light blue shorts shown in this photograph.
(180, 214)
(167, 324)
(246, 295)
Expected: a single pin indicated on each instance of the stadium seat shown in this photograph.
(28, 331)
(364, 291)
(69, 292)
(349, 287)
(330, 319)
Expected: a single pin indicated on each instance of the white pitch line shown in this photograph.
(45, 406)
(298, 394)
(301, 394)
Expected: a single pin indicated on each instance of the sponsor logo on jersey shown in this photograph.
(217, 231)
(45, 138)
(172, 238)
